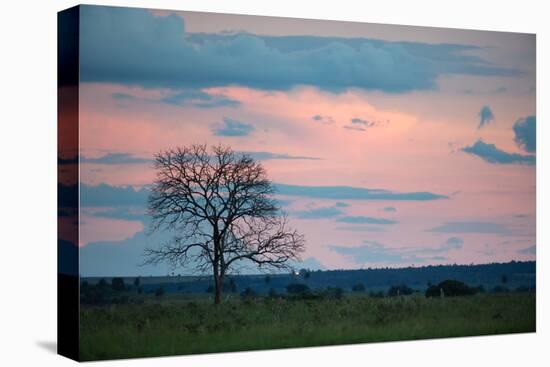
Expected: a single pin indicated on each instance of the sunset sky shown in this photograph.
(388, 145)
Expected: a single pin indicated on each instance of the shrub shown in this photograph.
(480, 289)
(360, 287)
(230, 286)
(122, 300)
(93, 296)
(433, 291)
(400, 290)
(376, 294)
(500, 289)
(297, 289)
(333, 293)
(159, 292)
(504, 279)
(102, 283)
(524, 288)
(451, 288)
(272, 293)
(248, 293)
(117, 284)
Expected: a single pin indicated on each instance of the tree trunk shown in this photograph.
(218, 280)
(217, 289)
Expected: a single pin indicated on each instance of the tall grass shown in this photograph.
(171, 327)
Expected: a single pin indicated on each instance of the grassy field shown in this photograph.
(175, 325)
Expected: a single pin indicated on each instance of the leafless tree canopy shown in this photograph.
(220, 206)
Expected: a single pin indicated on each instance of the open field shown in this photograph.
(175, 324)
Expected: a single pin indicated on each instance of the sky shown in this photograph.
(389, 146)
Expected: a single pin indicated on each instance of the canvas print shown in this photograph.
(234, 182)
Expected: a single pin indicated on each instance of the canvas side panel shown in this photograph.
(67, 186)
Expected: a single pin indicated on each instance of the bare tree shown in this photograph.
(221, 208)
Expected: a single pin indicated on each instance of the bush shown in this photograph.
(333, 293)
(230, 286)
(159, 292)
(500, 289)
(524, 288)
(297, 289)
(122, 300)
(102, 283)
(93, 295)
(433, 291)
(248, 293)
(376, 294)
(117, 284)
(504, 279)
(360, 287)
(451, 288)
(400, 290)
(480, 289)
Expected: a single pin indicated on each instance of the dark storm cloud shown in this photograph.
(365, 220)
(359, 121)
(231, 127)
(199, 99)
(485, 116)
(323, 119)
(525, 131)
(112, 196)
(188, 97)
(359, 124)
(355, 128)
(490, 153)
(134, 47)
(116, 158)
(353, 193)
(124, 212)
(453, 243)
(361, 229)
(123, 96)
(319, 213)
(472, 227)
(264, 156)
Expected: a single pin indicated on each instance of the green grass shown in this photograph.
(180, 326)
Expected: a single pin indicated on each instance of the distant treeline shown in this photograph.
(497, 277)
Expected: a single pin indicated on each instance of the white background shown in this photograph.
(28, 183)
